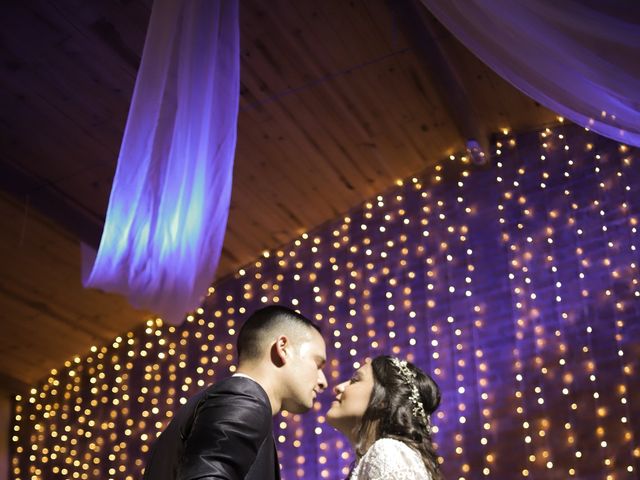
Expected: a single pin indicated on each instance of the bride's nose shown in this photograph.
(338, 389)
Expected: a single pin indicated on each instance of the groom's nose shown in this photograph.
(322, 380)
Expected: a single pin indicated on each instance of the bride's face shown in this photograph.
(351, 400)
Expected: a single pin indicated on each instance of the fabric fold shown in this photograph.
(577, 58)
(170, 197)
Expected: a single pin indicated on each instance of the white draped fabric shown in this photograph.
(170, 197)
(579, 58)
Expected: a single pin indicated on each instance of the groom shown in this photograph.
(225, 431)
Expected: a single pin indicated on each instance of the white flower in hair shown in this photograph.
(409, 378)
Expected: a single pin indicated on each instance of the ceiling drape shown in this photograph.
(170, 197)
(579, 58)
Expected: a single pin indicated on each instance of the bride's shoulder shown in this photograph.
(389, 458)
(386, 442)
(385, 446)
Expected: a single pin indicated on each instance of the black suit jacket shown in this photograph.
(224, 432)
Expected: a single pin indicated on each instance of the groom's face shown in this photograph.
(304, 372)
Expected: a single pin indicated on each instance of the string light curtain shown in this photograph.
(578, 58)
(170, 197)
(517, 287)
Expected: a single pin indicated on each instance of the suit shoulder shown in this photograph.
(239, 386)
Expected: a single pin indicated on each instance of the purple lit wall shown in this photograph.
(515, 284)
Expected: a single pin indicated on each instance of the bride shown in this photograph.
(385, 412)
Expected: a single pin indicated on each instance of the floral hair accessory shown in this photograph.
(409, 378)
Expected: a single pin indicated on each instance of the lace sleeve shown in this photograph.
(390, 459)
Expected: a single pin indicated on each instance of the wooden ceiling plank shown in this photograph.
(373, 102)
(264, 44)
(122, 26)
(344, 206)
(360, 27)
(253, 234)
(77, 65)
(377, 121)
(60, 313)
(280, 166)
(51, 203)
(79, 38)
(302, 139)
(35, 140)
(38, 328)
(339, 142)
(424, 33)
(44, 263)
(47, 86)
(12, 384)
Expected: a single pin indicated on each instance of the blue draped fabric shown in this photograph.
(170, 197)
(579, 58)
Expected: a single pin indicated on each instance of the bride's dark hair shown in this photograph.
(390, 413)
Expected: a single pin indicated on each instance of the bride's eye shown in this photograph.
(353, 380)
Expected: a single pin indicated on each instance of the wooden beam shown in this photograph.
(13, 386)
(425, 33)
(43, 196)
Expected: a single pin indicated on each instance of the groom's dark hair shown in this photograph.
(262, 325)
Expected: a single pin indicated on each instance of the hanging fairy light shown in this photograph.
(493, 279)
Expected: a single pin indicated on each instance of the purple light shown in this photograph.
(535, 347)
(170, 197)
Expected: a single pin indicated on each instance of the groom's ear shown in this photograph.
(281, 351)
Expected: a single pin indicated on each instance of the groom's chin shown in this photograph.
(298, 408)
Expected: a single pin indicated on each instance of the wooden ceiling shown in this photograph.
(339, 99)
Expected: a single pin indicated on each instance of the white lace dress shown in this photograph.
(390, 459)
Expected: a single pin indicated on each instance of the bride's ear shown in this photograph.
(281, 351)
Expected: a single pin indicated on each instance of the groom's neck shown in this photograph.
(266, 379)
